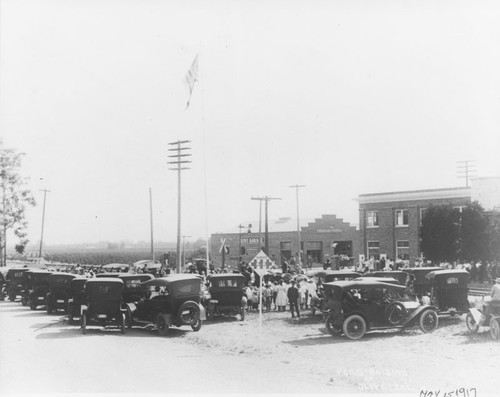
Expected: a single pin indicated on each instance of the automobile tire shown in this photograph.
(242, 313)
(330, 326)
(129, 318)
(428, 321)
(33, 304)
(193, 314)
(12, 298)
(354, 327)
(494, 329)
(471, 323)
(84, 323)
(161, 324)
(395, 313)
(24, 300)
(196, 327)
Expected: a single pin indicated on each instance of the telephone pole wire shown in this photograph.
(178, 166)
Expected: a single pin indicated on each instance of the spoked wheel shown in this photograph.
(494, 328)
(196, 327)
(354, 327)
(395, 313)
(84, 323)
(428, 321)
(189, 312)
(471, 323)
(161, 324)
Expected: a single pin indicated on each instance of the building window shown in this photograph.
(403, 249)
(373, 249)
(422, 214)
(401, 217)
(372, 219)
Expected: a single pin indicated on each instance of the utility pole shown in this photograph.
(43, 220)
(266, 199)
(298, 221)
(466, 169)
(179, 168)
(151, 222)
(184, 251)
(240, 226)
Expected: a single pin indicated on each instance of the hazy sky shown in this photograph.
(345, 97)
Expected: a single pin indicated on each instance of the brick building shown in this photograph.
(390, 222)
(322, 238)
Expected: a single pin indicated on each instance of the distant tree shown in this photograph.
(474, 237)
(15, 199)
(494, 236)
(439, 233)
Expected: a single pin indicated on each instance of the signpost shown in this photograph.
(261, 264)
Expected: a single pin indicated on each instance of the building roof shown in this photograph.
(427, 194)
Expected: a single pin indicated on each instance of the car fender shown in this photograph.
(131, 306)
(414, 315)
(203, 313)
(476, 314)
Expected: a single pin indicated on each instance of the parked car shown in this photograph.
(173, 301)
(389, 280)
(38, 287)
(76, 298)
(357, 307)
(132, 290)
(226, 295)
(418, 283)
(327, 276)
(487, 315)
(3, 284)
(14, 282)
(450, 291)
(103, 304)
(59, 291)
(399, 275)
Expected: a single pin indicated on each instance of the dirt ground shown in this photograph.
(238, 357)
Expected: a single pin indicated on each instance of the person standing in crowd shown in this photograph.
(302, 294)
(267, 295)
(293, 296)
(281, 297)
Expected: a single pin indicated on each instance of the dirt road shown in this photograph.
(42, 353)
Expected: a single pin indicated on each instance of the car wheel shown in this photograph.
(33, 304)
(242, 313)
(354, 327)
(161, 324)
(196, 327)
(24, 299)
(189, 312)
(330, 326)
(395, 313)
(428, 320)
(12, 298)
(494, 329)
(84, 323)
(471, 323)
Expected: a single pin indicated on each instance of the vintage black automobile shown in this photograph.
(327, 276)
(37, 287)
(399, 275)
(450, 291)
(14, 282)
(3, 285)
(103, 304)
(59, 291)
(132, 289)
(356, 307)
(418, 283)
(226, 295)
(173, 301)
(76, 298)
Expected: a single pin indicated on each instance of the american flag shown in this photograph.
(192, 78)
